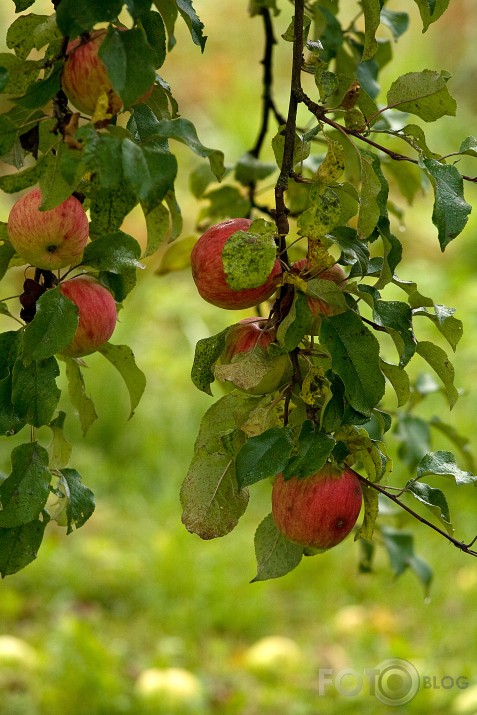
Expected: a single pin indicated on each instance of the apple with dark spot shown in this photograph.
(318, 511)
(96, 312)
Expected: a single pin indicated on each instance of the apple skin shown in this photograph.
(247, 335)
(85, 76)
(96, 311)
(208, 270)
(319, 511)
(335, 273)
(48, 239)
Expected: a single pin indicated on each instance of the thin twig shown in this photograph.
(466, 548)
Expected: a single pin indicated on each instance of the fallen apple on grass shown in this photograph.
(48, 239)
(96, 311)
(209, 275)
(318, 511)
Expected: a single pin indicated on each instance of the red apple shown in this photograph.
(317, 511)
(48, 239)
(208, 270)
(96, 311)
(335, 273)
(85, 76)
(245, 362)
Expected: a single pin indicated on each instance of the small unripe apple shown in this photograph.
(96, 311)
(85, 76)
(208, 269)
(170, 691)
(318, 306)
(318, 511)
(48, 239)
(245, 362)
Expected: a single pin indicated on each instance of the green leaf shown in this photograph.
(371, 511)
(434, 500)
(443, 464)
(192, 21)
(399, 379)
(183, 130)
(397, 22)
(8, 134)
(225, 202)
(333, 165)
(20, 73)
(28, 32)
(323, 215)
(296, 324)
(276, 555)
(450, 327)
(168, 10)
(122, 358)
(207, 352)
(400, 547)
(80, 505)
(431, 10)
(249, 169)
(158, 228)
(54, 188)
(52, 328)
(451, 210)
(248, 256)
(19, 546)
(263, 456)
(149, 171)
(130, 63)
(6, 254)
(59, 449)
(422, 93)
(10, 422)
(355, 358)
(462, 442)
(35, 394)
(21, 5)
(313, 449)
(113, 253)
(24, 493)
(108, 209)
(40, 92)
(155, 30)
(469, 146)
(11, 183)
(415, 439)
(301, 150)
(438, 360)
(211, 499)
(396, 317)
(79, 399)
(374, 194)
(74, 18)
(372, 11)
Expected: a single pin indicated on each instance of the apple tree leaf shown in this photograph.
(248, 256)
(451, 210)
(207, 352)
(276, 555)
(264, 456)
(52, 328)
(83, 404)
(23, 494)
(19, 545)
(35, 394)
(80, 500)
(122, 358)
(355, 358)
(434, 500)
(443, 464)
(437, 358)
(313, 449)
(212, 501)
(371, 511)
(372, 19)
(422, 93)
(73, 19)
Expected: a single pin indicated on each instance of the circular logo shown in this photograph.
(397, 682)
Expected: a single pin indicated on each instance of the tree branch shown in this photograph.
(466, 548)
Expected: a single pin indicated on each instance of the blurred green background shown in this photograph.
(132, 602)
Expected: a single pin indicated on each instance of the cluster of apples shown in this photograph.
(55, 239)
(316, 512)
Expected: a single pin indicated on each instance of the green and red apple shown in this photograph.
(96, 312)
(209, 275)
(318, 511)
(245, 361)
(48, 239)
